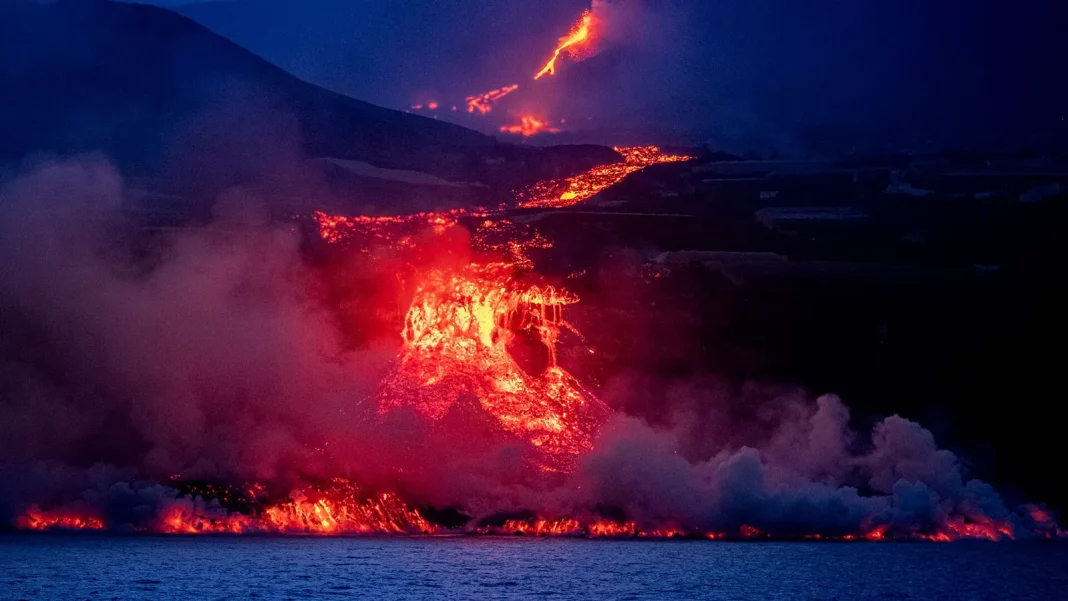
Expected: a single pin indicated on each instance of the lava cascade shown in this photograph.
(456, 339)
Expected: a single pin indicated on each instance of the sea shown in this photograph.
(72, 567)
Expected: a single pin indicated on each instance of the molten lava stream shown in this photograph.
(574, 43)
(578, 188)
(455, 342)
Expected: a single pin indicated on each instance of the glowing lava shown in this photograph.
(37, 519)
(314, 514)
(573, 190)
(456, 342)
(529, 126)
(575, 43)
(483, 103)
(460, 325)
(388, 229)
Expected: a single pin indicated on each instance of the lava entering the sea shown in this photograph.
(456, 352)
(37, 519)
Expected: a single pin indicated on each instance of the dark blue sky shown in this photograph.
(754, 73)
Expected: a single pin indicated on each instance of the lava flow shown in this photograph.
(456, 355)
(575, 43)
(483, 103)
(573, 190)
(456, 341)
(529, 126)
(342, 509)
(37, 519)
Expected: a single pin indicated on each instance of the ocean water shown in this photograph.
(73, 567)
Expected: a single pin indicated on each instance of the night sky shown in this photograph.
(765, 73)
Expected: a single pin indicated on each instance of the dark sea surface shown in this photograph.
(105, 567)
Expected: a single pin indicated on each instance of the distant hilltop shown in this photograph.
(134, 80)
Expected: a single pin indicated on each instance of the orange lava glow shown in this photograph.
(340, 510)
(385, 229)
(988, 530)
(37, 519)
(529, 126)
(876, 534)
(459, 328)
(483, 103)
(572, 527)
(564, 527)
(575, 44)
(612, 529)
(456, 339)
(573, 190)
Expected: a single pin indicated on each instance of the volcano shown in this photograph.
(331, 373)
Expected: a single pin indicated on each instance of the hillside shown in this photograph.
(144, 84)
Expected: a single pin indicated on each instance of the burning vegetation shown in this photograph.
(554, 460)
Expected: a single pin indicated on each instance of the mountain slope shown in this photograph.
(138, 81)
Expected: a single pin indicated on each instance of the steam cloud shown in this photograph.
(217, 353)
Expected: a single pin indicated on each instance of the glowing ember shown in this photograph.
(575, 43)
(529, 126)
(37, 519)
(483, 103)
(573, 190)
